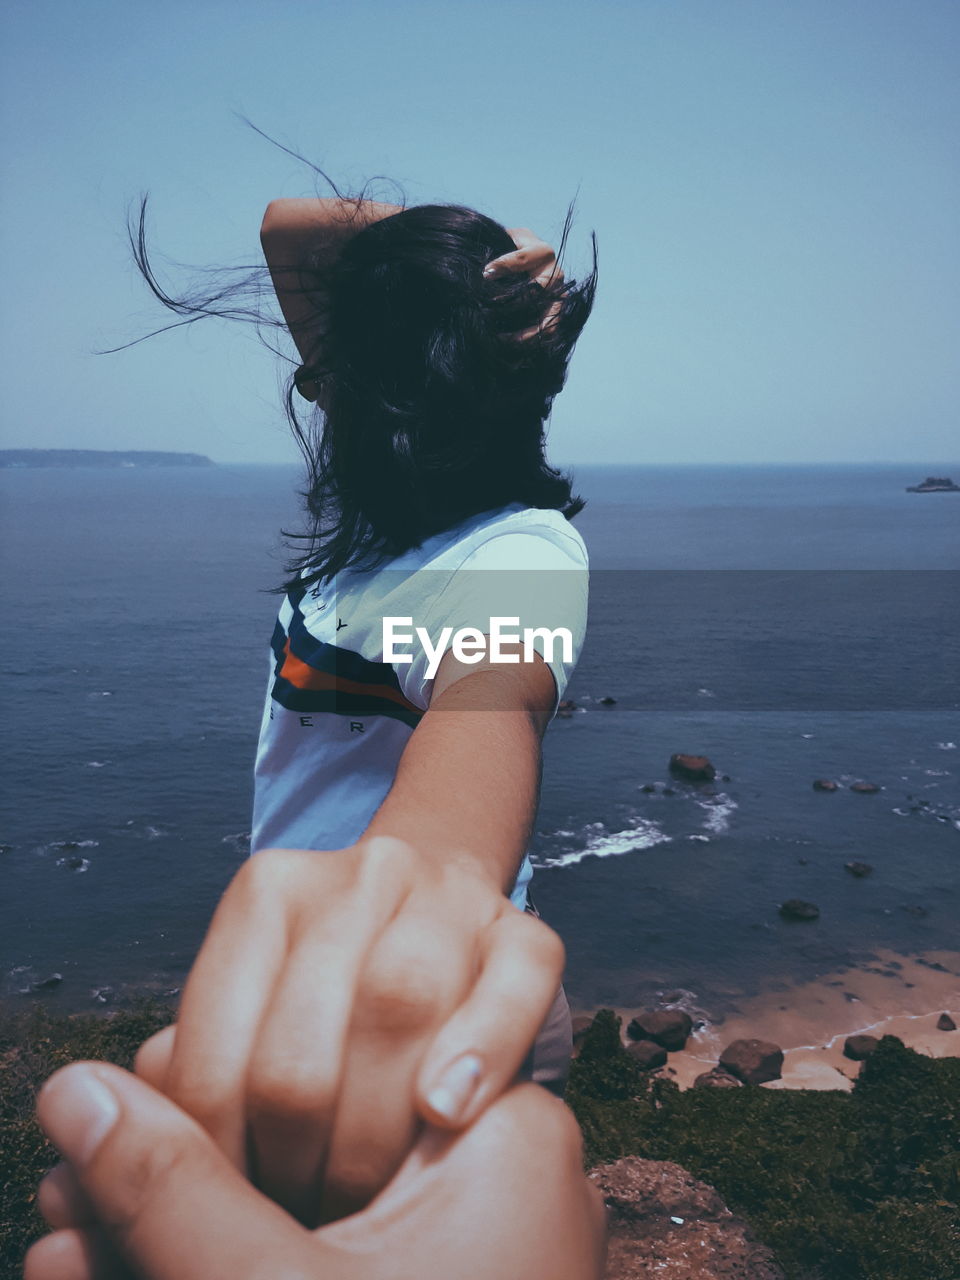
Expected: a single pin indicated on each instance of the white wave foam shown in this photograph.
(601, 843)
(947, 746)
(96, 764)
(699, 839)
(719, 810)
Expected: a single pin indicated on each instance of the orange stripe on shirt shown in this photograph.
(302, 676)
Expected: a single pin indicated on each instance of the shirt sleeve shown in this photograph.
(535, 583)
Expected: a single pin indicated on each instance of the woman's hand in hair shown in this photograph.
(532, 257)
(535, 258)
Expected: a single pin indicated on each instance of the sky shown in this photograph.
(774, 187)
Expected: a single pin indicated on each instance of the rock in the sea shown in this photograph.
(663, 1223)
(946, 1023)
(825, 784)
(692, 768)
(649, 788)
(856, 1048)
(858, 869)
(47, 984)
(647, 1054)
(753, 1061)
(797, 909)
(608, 702)
(667, 1027)
(864, 788)
(566, 704)
(717, 1079)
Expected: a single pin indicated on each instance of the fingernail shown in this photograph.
(450, 1096)
(77, 1111)
(489, 271)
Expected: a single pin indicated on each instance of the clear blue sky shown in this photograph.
(773, 183)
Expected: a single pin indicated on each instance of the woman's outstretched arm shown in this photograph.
(341, 998)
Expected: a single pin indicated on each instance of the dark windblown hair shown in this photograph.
(434, 406)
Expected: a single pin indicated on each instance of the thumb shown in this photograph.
(173, 1205)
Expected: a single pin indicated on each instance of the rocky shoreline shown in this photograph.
(795, 1036)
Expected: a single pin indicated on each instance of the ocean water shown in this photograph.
(790, 623)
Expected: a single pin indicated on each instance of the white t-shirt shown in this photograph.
(338, 715)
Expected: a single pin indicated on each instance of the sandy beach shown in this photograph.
(895, 995)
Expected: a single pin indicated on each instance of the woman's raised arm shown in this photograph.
(301, 238)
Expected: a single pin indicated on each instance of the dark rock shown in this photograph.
(663, 1223)
(75, 862)
(668, 791)
(692, 768)
(753, 1061)
(797, 909)
(946, 1023)
(667, 1027)
(825, 784)
(566, 704)
(864, 788)
(649, 787)
(47, 984)
(858, 869)
(608, 702)
(647, 1055)
(717, 1079)
(856, 1048)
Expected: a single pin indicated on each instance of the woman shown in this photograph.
(341, 1000)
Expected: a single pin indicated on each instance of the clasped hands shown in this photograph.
(345, 1009)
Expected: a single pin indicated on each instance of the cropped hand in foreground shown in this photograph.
(339, 1000)
(146, 1188)
(342, 998)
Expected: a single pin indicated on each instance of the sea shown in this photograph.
(790, 623)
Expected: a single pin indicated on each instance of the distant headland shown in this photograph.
(935, 484)
(19, 458)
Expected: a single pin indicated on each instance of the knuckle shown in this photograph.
(207, 1105)
(283, 1091)
(404, 988)
(271, 866)
(546, 946)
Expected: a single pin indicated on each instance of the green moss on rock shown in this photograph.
(859, 1186)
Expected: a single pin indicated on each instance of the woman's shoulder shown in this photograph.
(510, 536)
